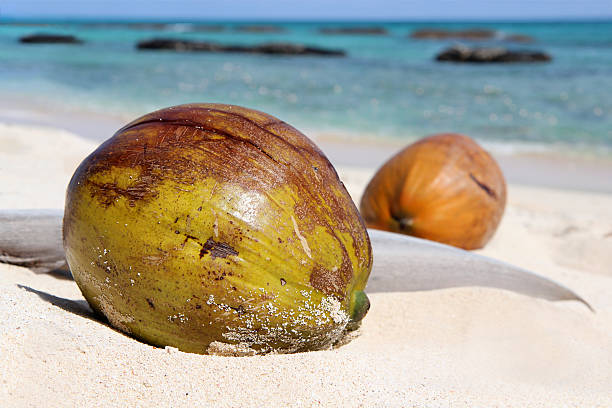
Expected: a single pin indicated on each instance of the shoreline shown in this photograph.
(524, 164)
(29, 111)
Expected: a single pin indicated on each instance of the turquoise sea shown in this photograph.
(388, 86)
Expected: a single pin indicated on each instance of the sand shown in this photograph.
(452, 347)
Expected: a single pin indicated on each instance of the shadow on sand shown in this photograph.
(78, 307)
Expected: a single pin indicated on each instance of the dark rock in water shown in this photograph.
(177, 45)
(436, 34)
(355, 30)
(147, 26)
(293, 49)
(490, 55)
(521, 38)
(268, 48)
(50, 39)
(260, 29)
(19, 24)
(476, 34)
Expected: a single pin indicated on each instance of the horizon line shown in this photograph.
(513, 19)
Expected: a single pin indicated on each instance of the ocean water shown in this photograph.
(387, 87)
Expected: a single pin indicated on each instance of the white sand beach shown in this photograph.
(445, 348)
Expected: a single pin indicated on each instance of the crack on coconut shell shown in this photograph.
(483, 186)
(217, 249)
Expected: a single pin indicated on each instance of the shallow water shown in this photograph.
(387, 87)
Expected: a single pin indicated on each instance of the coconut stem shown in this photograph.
(404, 223)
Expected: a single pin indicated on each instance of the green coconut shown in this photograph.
(204, 225)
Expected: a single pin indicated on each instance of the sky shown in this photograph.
(310, 9)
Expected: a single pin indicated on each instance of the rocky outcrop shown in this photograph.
(470, 35)
(146, 26)
(50, 39)
(260, 29)
(521, 38)
(436, 34)
(293, 49)
(491, 55)
(354, 31)
(21, 24)
(169, 44)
